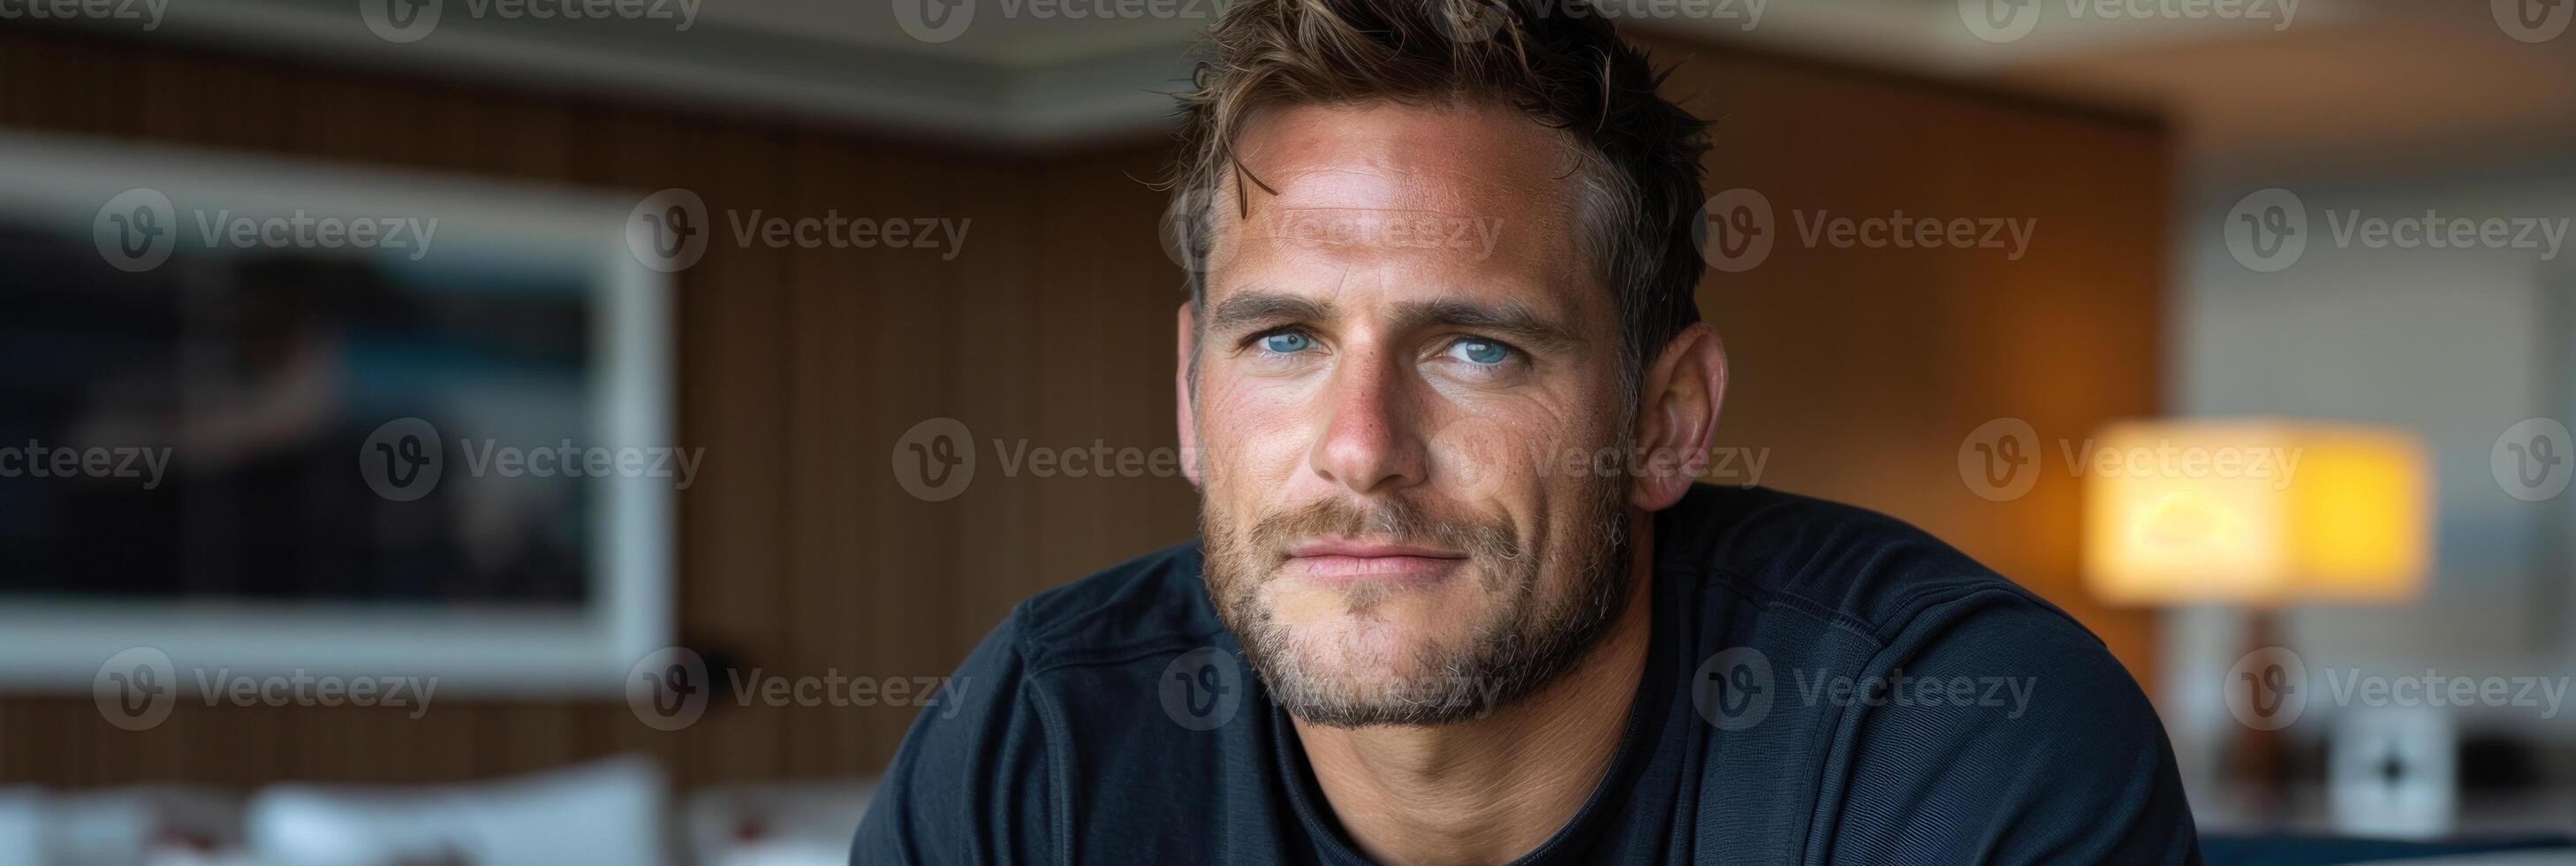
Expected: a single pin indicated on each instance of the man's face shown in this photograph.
(1400, 355)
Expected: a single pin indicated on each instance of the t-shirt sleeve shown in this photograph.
(2010, 735)
(971, 782)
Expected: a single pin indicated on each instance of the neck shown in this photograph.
(1492, 789)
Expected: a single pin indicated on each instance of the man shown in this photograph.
(1444, 389)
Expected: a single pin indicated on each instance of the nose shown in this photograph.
(1369, 444)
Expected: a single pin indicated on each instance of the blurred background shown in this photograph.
(561, 431)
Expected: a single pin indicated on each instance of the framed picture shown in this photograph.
(270, 418)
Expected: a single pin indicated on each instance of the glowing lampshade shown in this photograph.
(2255, 511)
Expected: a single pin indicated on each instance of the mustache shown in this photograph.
(1398, 520)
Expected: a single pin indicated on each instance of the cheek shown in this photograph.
(1515, 455)
(1538, 468)
(1487, 459)
(1253, 439)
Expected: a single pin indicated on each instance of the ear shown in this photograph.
(1677, 416)
(1188, 410)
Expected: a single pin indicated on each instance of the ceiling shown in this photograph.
(2273, 79)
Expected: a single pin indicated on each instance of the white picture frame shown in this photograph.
(62, 645)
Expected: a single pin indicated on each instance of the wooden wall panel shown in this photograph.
(1859, 372)
(800, 555)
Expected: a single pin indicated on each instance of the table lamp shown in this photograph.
(2260, 513)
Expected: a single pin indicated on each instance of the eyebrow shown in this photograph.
(1243, 309)
(1512, 320)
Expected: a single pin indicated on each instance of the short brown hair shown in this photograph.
(1558, 60)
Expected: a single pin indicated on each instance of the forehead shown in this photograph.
(1393, 202)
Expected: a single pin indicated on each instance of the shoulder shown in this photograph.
(986, 777)
(1145, 605)
(1961, 715)
(1851, 568)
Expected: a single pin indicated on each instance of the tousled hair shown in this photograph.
(1636, 155)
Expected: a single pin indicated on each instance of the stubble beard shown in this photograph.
(1527, 640)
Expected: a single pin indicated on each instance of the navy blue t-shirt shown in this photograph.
(1824, 685)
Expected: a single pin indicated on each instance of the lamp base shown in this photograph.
(2257, 759)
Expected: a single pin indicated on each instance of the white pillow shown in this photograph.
(608, 811)
(799, 824)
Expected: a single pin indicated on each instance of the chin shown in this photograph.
(1385, 644)
(1394, 663)
(1376, 627)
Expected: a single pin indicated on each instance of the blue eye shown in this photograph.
(1287, 342)
(1485, 352)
